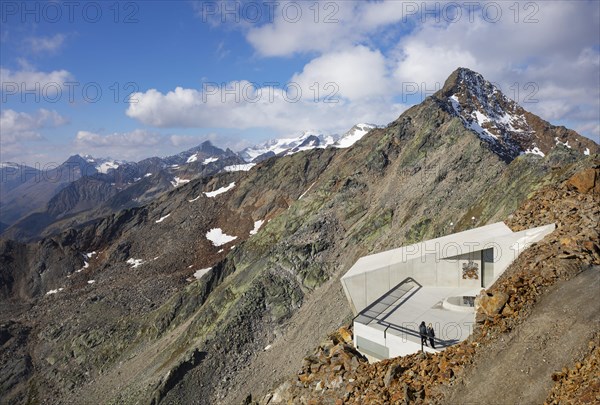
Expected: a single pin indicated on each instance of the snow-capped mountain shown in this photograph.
(503, 124)
(354, 135)
(103, 165)
(306, 141)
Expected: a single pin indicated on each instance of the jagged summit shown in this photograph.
(502, 123)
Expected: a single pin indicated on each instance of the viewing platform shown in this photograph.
(435, 281)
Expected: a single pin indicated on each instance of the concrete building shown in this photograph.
(435, 281)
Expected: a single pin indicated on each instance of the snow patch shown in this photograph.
(536, 151)
(558, 142)
(212, 194)
(455, 104)
(210, 160)
(218, 238)
(54, 291)
(192, 200)
(257, 225)
(106, 166)
(192, 158)
(91, 281)
(134, 262)
(85, 266)
(147, 174)
(199, 273)
(177, 181)
(239, 168)
(158, 221)
(586, 151)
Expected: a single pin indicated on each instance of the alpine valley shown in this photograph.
(212, 277)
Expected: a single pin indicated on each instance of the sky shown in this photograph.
(133, 79)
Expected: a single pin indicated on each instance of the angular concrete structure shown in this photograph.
(434, 281)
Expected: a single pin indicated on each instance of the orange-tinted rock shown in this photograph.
(491, 304)
(585, 181)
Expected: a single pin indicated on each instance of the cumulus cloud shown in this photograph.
(356, 73)
(304, 27)
(21, 126)
(241, 105)
(184, 140)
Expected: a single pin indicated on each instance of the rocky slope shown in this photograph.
(534, 324)
(113, 310)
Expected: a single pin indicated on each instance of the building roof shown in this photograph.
(446, 246)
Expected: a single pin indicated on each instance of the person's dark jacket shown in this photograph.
(423, 329)
(430, 332)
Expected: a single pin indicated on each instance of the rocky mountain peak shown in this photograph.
(502, 123)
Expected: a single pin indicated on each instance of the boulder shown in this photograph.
(490, 304)
(393, 371)
(345, 334)
(585, 181)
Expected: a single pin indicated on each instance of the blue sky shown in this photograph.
(161, 67)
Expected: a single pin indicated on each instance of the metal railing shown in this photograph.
(366, 316)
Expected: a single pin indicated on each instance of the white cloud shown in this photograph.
(46, 44)
(357, 73)
(322, 27)
(290, 33)
(20, 126)
(264, 107)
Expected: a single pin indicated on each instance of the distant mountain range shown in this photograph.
(36, 202)
(306, 141)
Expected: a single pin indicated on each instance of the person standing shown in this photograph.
(423, 333)
(431, 335)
